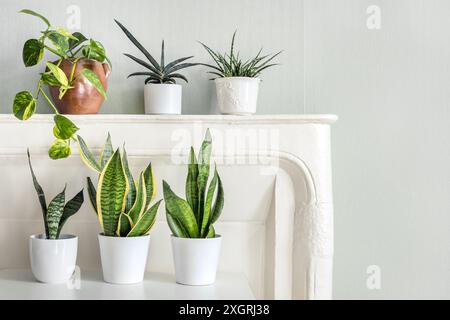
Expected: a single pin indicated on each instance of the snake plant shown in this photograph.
(57, 213)
(123, 207)
(194, 216)
(231, 65)
(157, 72)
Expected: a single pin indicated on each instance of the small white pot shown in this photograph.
(53, 261)
(123, 258)
(162, 98)
(237, 95)
(196, 260)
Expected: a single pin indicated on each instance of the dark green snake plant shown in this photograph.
(194, 216)
(123, 207)
(57, 213)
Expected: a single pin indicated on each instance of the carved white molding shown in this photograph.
(298, 245)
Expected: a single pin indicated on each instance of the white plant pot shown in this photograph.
(237, 95)
(196, 260)
(53, 261)
(123, 258)
(162, 98)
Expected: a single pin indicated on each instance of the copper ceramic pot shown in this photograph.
(84, 97)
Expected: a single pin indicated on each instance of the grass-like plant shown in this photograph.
(65, 46)
(231, 65)
(57, 213)
(123, 207)
(195, 216)
(157, 72)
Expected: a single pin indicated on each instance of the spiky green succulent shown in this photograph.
(231, 65)
(157, 72)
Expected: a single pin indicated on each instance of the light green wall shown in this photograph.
(391, 145)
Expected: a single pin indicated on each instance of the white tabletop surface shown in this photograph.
(20, 284)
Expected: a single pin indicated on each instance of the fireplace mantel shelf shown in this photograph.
(231, 119)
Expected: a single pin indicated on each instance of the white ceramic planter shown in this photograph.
(162, 98)
(237, 95)
(196, 260)
(123, 258)
(53, 261)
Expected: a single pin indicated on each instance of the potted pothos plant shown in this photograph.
(53, 255)
(195, 244)
(162, 95)
(237, 80)
(125, 212)
(76, 80)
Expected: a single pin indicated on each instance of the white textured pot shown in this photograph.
(196, 260)
(123, 258)
(53, 261)
(237, 95)
(162, 98)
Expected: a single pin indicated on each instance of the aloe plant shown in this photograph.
(231, 65)
(123, 207)
(157, 72)
(194, 216)
(56, 213)
(66, 46)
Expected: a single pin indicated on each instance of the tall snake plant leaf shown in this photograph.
(211, 232)
(203, 173)
(176, 227)
(218, 205)
(150, 185)
(40, 193)
(131, 195)
(181, 211)
(107, 151)
(111, 193)
(207, 217)
(138, 45)
(191, 182)
(139, 205)
(125, 225)
(92, 193)
(71, 207)
(87, 156)
(54, 214)
(145, 222)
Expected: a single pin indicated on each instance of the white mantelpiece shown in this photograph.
(277, 223)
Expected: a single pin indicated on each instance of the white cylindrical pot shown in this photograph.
(53, 260)
(162, 98)
(123, 258)
(237, 95)
(196, 260)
